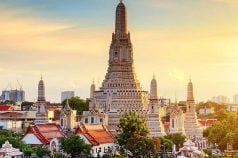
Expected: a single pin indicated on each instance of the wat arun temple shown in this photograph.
(121, 91)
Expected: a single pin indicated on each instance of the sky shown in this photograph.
(68, 43)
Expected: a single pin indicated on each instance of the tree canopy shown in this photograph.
(78, 104)
(133, 134)
(13, 139)
(129, 125)
(74, 145)
(167, 142)
(140, 145)
(177, 138)
(224, 131)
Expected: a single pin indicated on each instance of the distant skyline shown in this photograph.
(68, 42)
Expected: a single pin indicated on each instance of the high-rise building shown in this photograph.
(67, 95)
(221, 99)
(13, 95)
(235, 99)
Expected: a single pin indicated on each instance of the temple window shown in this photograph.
(92, 119)
(86, 120)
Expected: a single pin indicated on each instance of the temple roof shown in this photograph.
(8, 149)
(207, 122)
(5, 107)
(45, 132)
(95, 134)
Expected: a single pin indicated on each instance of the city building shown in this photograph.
(53, 112)
(232, 107)
(98, 137)
(206, 111)
(235, 99)
(66, 95)
(221, 99)
(17, 96)
(16, 120)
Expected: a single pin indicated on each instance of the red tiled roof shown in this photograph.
(12, 113)
(207, 122)
(5, 107)
(45, 132)
(95, 134)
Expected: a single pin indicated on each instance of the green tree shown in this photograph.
(224, 131)
(140, 145)
(74, 145)
(13, 139)
(221, 114)
(177, 138)
(78, 104)
(157, 144)
(41, 152)
(6, 133)
(167, 142)
(129, 125)
(209, 104)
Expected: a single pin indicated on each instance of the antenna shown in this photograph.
(20, 85)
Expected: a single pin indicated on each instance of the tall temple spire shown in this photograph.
(121, 73)
(121, 19)
(92, 90)
(190, 98)
(41, 90)
(67, 106)
(153, 88)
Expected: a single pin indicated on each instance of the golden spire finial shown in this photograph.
(41, 76)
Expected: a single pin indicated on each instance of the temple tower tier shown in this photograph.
(120, 90)
(191, 125)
